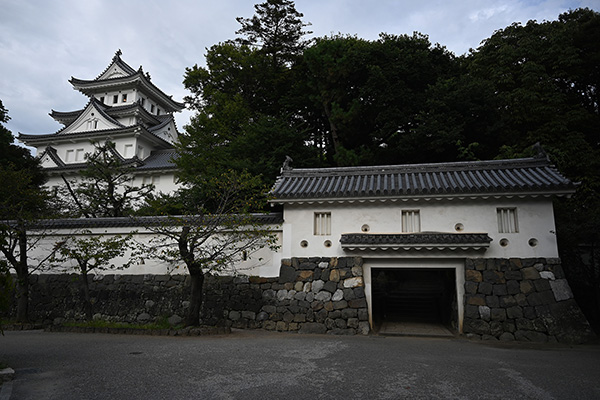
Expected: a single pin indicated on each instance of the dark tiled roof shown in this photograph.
(65, 117)
(415, 241)
(116, 222)
(103, 133)
(51, 152)
(159, 159)
(526, 176)
(88, 86)
(132, 76)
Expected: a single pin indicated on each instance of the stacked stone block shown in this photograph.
(521, 299)
(55, 298)
(317, 295)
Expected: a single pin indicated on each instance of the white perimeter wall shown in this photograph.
(263, 262)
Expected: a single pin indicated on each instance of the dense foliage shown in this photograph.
(23, 199)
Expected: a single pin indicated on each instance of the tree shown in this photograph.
(105, 188)
(92, 253)
(17, 156)
(23, 200)
(6, 289)
(243, 118)
(217, 231)
(367, 95)
(276, 29)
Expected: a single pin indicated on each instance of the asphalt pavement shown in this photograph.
(270, 365)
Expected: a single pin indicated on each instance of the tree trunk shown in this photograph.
(22, 300)
(334, 134)
(87, 300)
(22, 279)
(197, 284)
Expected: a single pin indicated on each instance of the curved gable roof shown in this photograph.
(117, 63)
(120, 74)
(526, 176)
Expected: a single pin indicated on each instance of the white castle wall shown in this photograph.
(535, 216)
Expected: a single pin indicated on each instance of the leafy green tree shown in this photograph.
(105, 188)
(23, 200)
(6, 290)
(92, 253)
(369, 94)
(276, 29)
(460, 121)
(16, 156)
(242, 120)
(217, 231)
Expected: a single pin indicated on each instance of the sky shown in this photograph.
(44, 43)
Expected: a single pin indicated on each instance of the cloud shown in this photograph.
(43, 44)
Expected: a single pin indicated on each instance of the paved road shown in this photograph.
(263, 365)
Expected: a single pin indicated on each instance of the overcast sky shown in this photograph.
(44, 43)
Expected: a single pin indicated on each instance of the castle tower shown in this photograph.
(124, 107)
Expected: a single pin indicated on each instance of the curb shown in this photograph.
(197, 331)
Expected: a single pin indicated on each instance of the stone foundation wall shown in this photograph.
(521, 299)
(55, 298)
(317, 295)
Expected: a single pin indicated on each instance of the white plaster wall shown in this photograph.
(108, 97)
(536, 220)
(62, 148)
(168, 133)
(164, 182)
(263, 262)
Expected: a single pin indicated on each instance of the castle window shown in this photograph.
(158, 111)
(115, 99)
(411, 221)
(128, 151)
(507, 220)
(322, 223)
(143, 101)
(102, 99)
(92, 124)
(151, 108)
(124, 98)
(70, 155)
(79, 155)
(151, 180)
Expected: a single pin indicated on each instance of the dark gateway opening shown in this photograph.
(414, 295)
